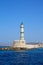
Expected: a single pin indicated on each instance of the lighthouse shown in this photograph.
(22, 31)
(20, 43)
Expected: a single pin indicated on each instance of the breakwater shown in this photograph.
(12, 48)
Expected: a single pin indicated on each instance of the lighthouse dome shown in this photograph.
(22, 25)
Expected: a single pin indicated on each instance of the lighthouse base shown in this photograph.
(19, 44)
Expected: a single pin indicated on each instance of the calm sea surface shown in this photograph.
(28, 57)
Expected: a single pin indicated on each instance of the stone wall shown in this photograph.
(19, 43)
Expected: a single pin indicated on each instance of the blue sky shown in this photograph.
(13, 12)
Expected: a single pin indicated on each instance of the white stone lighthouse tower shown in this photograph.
(20, 43)
(22, 31)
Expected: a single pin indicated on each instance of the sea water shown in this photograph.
(25, 57)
